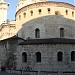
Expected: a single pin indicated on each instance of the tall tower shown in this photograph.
(22, 3)
(3, 11)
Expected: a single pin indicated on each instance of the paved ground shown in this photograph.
(6, 73)
(16, 72)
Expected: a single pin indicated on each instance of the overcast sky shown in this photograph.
(12, 7)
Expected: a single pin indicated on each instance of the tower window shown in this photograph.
(66, 12)
(39, 11)
(37, 33)
(19, 17)
(57, 13)
(38, 57)
(31, 13)
(48, 10)
(24, 14)
(72, 14)
(61, 32)
(24, 57)
(60, 56)
(73, 56)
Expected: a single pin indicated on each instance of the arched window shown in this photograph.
(39, 11)
(60, 56)
(24, 14)
(31, 13)
(38, 57)
(72, 14)
(61, 32)
(37, 33)
(48, 10)
(66, 12)
(73, 56)
(24, 57)
(19, 17)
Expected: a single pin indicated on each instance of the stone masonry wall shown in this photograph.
(49, 27)
(48, 57)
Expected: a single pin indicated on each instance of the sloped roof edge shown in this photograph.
(48, 41)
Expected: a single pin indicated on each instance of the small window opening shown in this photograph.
(24, 57)
(19, 17)
(66, 12)
(31, 13)
(38, 57)
(39, 11)
(61, 32)
(48, 10)
(73, 56)
(24, 14)
(72, 14)
(60, 56)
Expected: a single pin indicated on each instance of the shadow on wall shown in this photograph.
(49, 27)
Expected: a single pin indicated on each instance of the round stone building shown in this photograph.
(48, 30)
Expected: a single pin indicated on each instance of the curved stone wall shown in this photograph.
(36, 10)
(49, 27)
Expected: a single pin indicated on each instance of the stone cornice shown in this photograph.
(44, 4)
(4, 3)
(8, 25)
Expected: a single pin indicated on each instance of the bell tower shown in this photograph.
(20, 4)
(3, 11)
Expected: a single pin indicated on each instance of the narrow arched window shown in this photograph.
(72, 14)
(61, 32)
(48, 10)
(19, 17)
(31, 13)
(66, 12)
(24, 14)
(39, 11)
(60, 56)
(24, 57)
(38, 57)
(37, 33)
(73, 56)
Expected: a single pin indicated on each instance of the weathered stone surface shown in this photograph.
(48, 57)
